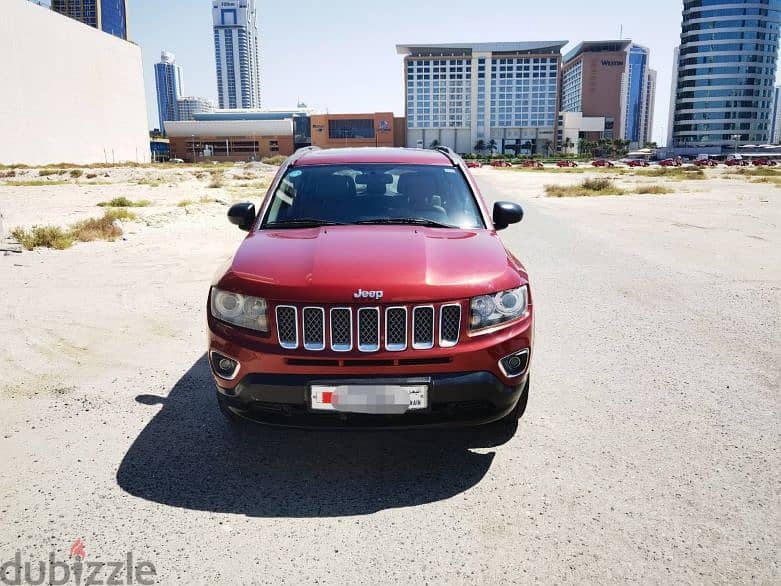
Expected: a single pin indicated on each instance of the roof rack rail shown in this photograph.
(449, 153)
(300, 153)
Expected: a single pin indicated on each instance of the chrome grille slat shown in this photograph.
(369, 329)
(287, 326)
(429, 325)
(341, 329)
(314, 328)
(396, 329)
(449, 324)
(423, 327)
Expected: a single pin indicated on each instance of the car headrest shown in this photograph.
(417, 185)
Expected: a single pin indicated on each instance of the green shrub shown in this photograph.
(587, 187)
(76, 173)
(47, 172)
(44, 236)
(275, 160)
(123, 202)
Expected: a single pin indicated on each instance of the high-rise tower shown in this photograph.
(236, 53)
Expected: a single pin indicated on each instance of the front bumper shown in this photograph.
(457, 399)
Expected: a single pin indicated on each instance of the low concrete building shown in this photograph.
(70, 93)
(355, 130)
(574, 126)
(230, 140)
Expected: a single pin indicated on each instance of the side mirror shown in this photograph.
(242, 214)
(506, 213)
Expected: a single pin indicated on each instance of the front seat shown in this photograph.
(419, 189)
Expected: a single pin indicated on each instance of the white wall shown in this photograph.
(68, 92)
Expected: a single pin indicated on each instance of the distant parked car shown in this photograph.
(637, 163)
(602, 163)
(500, 163)
(670, 163)
(566, 163)
(736, 163)
(531, 164)
(177, 160)
(764, 161)
(706, 162)
(474, 164)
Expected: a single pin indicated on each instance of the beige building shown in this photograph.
(70, 93)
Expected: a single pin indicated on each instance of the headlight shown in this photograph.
(490, 310)
(240, 310)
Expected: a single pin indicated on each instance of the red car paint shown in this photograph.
(764, 162)
(637, 163)
(736, 163)
(670, 163)
(566, 163)
(500, 163)
(602, 163)
(412, 265)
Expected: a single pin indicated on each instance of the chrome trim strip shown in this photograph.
(312, 347)
(287, 345)
(397, 347)
(517, 352)
(340, 347)
(368, 347)
(449, 343)
(214, 370)
(426, 346)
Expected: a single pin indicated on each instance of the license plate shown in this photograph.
(372, 399)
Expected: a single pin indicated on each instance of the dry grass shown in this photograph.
(76, 173)
(276, 160)
(123, 202)
(755, 171)
(217, 180)
(34, 183)
(675, 173)
(185, 202)
(44, 236)
(652, 189)
(586, 188)
(47, 172)
(102, 228)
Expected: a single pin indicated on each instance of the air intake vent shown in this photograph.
(368, 329)
(314, 328)
(287, 329)
(449, 325)
(423, 327)
(396, 329)
(341, 329)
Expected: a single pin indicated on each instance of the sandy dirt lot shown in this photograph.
(649, 451)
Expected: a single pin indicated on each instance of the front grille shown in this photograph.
(342, 329)
(449, 325)
(423, 327)
(314, 328)
(287, 326)
(368, 329)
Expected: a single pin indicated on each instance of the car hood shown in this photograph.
(407, 263)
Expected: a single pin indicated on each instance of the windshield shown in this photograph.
(373, 193)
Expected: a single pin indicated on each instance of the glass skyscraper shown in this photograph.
(110, 16)
(168, 80)
(726, 68)
(236, 53)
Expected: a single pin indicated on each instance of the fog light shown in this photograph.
(224, 367)
(515, 364)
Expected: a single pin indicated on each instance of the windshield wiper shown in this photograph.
(411, 221)
(302, 223)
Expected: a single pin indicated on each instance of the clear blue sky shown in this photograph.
(340, 56)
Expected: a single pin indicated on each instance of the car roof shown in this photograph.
(399, 156)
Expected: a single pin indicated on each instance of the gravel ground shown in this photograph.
(649, 451)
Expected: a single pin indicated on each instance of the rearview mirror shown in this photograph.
(242, 214)
(506, 213)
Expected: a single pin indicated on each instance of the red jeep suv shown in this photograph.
(373, 291)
